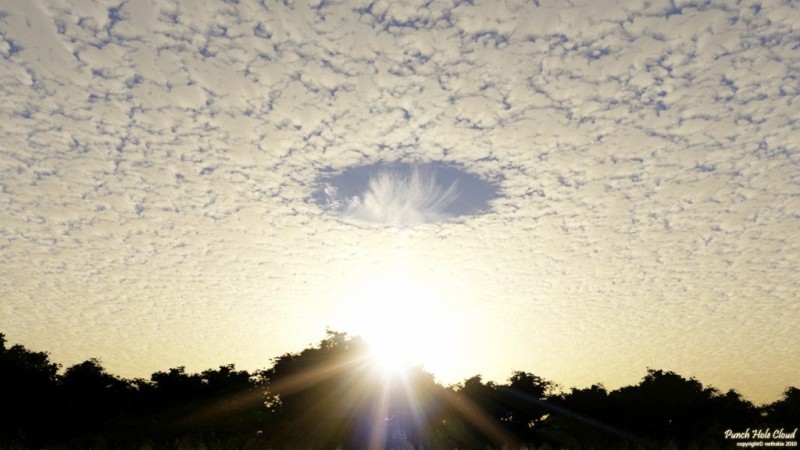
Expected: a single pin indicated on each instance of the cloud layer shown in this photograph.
(158, 166)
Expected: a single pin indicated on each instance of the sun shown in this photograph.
(405, 322)
(389, 355)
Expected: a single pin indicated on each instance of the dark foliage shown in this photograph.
(332, 396)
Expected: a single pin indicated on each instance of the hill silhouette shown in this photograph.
(333, 396)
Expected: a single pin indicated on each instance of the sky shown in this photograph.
(578, 189)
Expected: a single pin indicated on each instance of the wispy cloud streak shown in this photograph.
(399, 199)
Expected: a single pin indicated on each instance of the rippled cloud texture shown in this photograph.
(159, 161)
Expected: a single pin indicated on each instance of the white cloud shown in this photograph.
(403, 199)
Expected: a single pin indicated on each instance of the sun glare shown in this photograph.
(389, 356)
(404, 322)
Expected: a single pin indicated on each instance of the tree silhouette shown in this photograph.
(332, 396)
(29, 392)
(515, 411)
(228, 417)
(476, 416)
(524, 401)
(580, 420)
(786, 411)
(170, 396)
(321, 393)
(92, 402)
(220, 408)
(667, 407)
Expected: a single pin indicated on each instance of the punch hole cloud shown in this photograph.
(404, 195)
(629, 164)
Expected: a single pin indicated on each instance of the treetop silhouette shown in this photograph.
(333, 395)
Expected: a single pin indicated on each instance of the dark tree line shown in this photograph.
(331, 396)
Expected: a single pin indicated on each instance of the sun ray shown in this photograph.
(380, 418)
(481, 420)
(284, 386)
